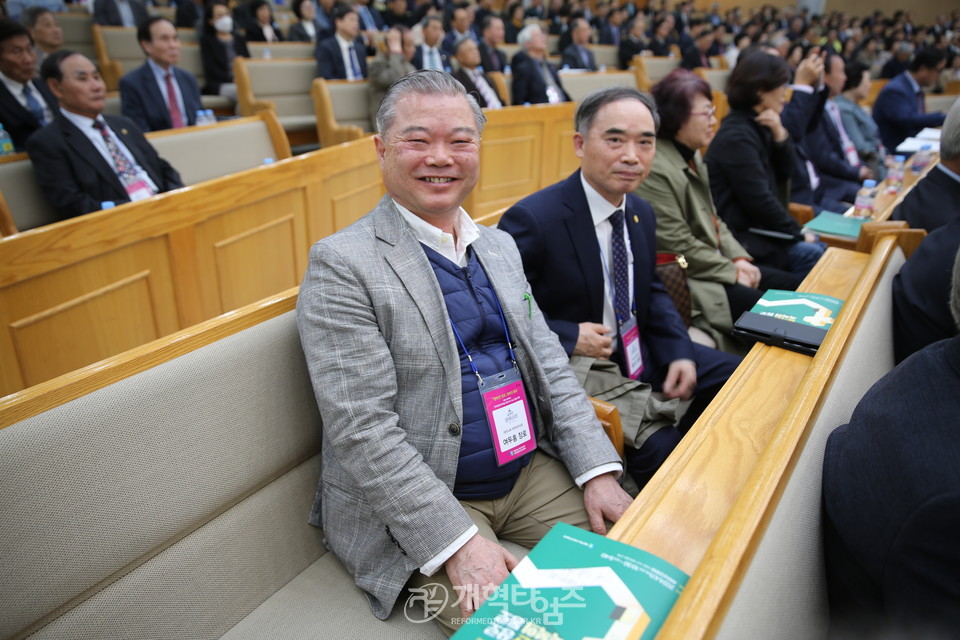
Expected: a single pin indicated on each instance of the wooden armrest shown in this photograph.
(346, 133)
(908, 239)
(610, 419)
(262, 105)
(802, 213)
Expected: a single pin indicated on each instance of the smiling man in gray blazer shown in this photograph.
(415, 487)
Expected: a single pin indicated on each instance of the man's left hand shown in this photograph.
(681, 379)
(604, 499)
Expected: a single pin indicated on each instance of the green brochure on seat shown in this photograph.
(835, 224)
(790, 319)
(577, 585)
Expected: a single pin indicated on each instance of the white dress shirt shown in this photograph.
(16, 90)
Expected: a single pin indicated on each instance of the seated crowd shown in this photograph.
(658, 176)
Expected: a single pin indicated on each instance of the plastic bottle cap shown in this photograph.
(268, 161)
(108, 204)
(899, 158)
(869, 183)
(925, 147)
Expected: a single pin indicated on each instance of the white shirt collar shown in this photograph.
(16, 88)
(947, 171)
(913, 83)
(81, 122)
(440, 241)
(600, 208)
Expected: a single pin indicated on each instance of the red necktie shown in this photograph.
(176, 118)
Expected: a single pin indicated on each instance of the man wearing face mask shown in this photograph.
(219, 45)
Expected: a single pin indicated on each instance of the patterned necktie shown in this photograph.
(33, 104)
(176, 118)
(121, 164)
(494, 58)
(489, 96)
(621, 266)
(921, 104)
(355, 64)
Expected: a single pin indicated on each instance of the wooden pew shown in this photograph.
(342, 110)
(579, 85)
(281, 50)
(737, 505)
(282, 85)
(83, 289)
(78, 32)
(716, 78)
(651, 69)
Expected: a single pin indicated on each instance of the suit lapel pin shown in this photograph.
(123, 131)
(636, 218)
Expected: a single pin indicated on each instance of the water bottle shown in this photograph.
(209, 118)
(507, 70)
(108, 204)
(603, 68)
(268, 160)
(864, 205)
(266, 54)
(921, 159)
(6, 143)
(895, 174)
(201, 118)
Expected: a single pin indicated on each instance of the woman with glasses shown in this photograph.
(751, 160)
(723, 279)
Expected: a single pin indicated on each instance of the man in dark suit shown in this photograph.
(492, 58)
(935, 200)
(25, 103)
(900, 111)
(477, 84)
(119, 13)
(577, 55)
(429, 54)
(608, 31)
(697, 54)
(343, 57)
(84, 158)
(535, 80)
(578, 240)
(460, 27)
(891, 495)
(158, 95)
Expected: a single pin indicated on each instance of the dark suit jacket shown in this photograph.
(572, 59)
(297, 33)
(216, 69)
(76, 178)
(490, 54)
(16, 119)
(891, 492)
(461, 75)
(143, 102)
(528, 85)
(932, 203)
(188, 14)
(628, 49)
(824, 145)
(747, 171)
(607, 33)
(557, 241)
(330, 63)
(921, 292)
(897, 114)
(693, 58)
(417, 60)
(255, 33)
(105, 12)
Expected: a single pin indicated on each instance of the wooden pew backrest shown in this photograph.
(118, 53)
(579, 85)
(78, 32)
(281, 50)
(342, 110)
(29, 208)
(283, 85)
(651, 69)
(716, 78)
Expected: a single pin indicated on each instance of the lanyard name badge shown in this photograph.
(505, 405)
(137, 187)
(629, 332)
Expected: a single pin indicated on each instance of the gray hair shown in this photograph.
(591, 105)
(950, 135)
(425, 82)
(526, 33)
(955, 292)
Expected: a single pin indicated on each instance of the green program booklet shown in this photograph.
(790, 319)
(577, 585)
(835, 224)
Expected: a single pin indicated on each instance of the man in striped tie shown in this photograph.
(83, 159)
(25, 103)
(158, 95)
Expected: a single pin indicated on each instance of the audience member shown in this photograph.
(697, 55)
(305, 29)
(16, 8)
(577, 55)
(84, 158)
(891, 499)
(514, 22)
(324, 19)
(476, 82)
(158, 95)
(535, 79)
(219, 45)
(740, 42)
(429, 55)
(343, 57)
(371, 21)
(397, 14)
(411, 490)
(44, 29)
(492, 58)
(609, 31)
(750, 163)
(460, 27)
(663, 37)
(722, 278)
(635, 43)
(119, 13)
(189, 15)
(390, 65)
(899, 62)
(578, 239)
(263, 28)
(26, 104)
(935, 200)
(900, 109)
(860, 127)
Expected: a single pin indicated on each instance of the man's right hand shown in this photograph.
(747, 274)
(476, 569)
(594, 341)
(810, 69)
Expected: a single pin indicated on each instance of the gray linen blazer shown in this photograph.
(386, 374)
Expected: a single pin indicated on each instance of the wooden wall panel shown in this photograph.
(348, 186)
(84, 312)
(510, 161)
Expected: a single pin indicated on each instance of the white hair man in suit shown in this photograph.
(408, 318)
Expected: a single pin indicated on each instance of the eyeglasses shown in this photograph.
(712, 111)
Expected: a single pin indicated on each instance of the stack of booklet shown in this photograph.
(790, 319)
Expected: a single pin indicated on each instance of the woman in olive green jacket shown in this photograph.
(722, 278)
